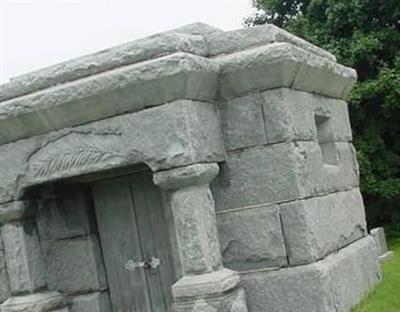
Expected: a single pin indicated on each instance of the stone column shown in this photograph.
(23, 257)
(206, 285)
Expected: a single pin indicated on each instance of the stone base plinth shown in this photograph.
(386, 256)
(38, 302)
(334, 284)
(232, 302)
(218, 291)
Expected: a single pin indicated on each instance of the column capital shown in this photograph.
(181, 177)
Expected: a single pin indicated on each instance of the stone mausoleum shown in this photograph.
(195, 170)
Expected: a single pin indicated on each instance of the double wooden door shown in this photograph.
(134, 234)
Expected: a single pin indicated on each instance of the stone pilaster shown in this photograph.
(24, 262)
(206, 285)
(23, 257)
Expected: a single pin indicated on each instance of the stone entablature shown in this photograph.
(172, 135)
(248, 133)
(271, 59)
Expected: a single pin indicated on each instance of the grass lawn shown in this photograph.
(386, 296)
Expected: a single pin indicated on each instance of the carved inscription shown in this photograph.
(72, 158)
(73, 152)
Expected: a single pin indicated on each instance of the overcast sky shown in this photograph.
(39, 33)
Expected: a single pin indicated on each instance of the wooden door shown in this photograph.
(135, 241)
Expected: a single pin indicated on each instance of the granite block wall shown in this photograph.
(288, 201)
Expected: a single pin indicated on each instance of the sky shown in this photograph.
(38, 33)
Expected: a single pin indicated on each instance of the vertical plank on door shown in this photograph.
(120, 243)
(154, 231)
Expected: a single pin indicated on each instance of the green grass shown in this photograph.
(386, 296)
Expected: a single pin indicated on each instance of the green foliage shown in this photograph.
(365, 35)
(393, 234)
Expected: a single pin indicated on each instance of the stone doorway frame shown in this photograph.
(181, 143)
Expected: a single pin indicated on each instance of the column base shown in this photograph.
(39, 302)
(218, 291)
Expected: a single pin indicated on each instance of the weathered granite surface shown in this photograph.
(281, 115)
(38, 302)
(379, 235)
(93, 302)
(5, 292)
(317, 226)
(248, 134)
(282, 65)
(175, 134)
(23, 257)
(282, 172)
(65, 213)
(74, 266)
(199, 39)
(380, 239)
(194, 216)
(34, 103)
(14, 210)
(252, 238)
(216, 291)
(334, 284)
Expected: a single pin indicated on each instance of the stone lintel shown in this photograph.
(173, 135)
(197, 174)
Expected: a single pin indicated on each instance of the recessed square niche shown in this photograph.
(326, 140)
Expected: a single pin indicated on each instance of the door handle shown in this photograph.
(132, 265)
(154, 263)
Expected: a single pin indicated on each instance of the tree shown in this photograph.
(365, 35)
